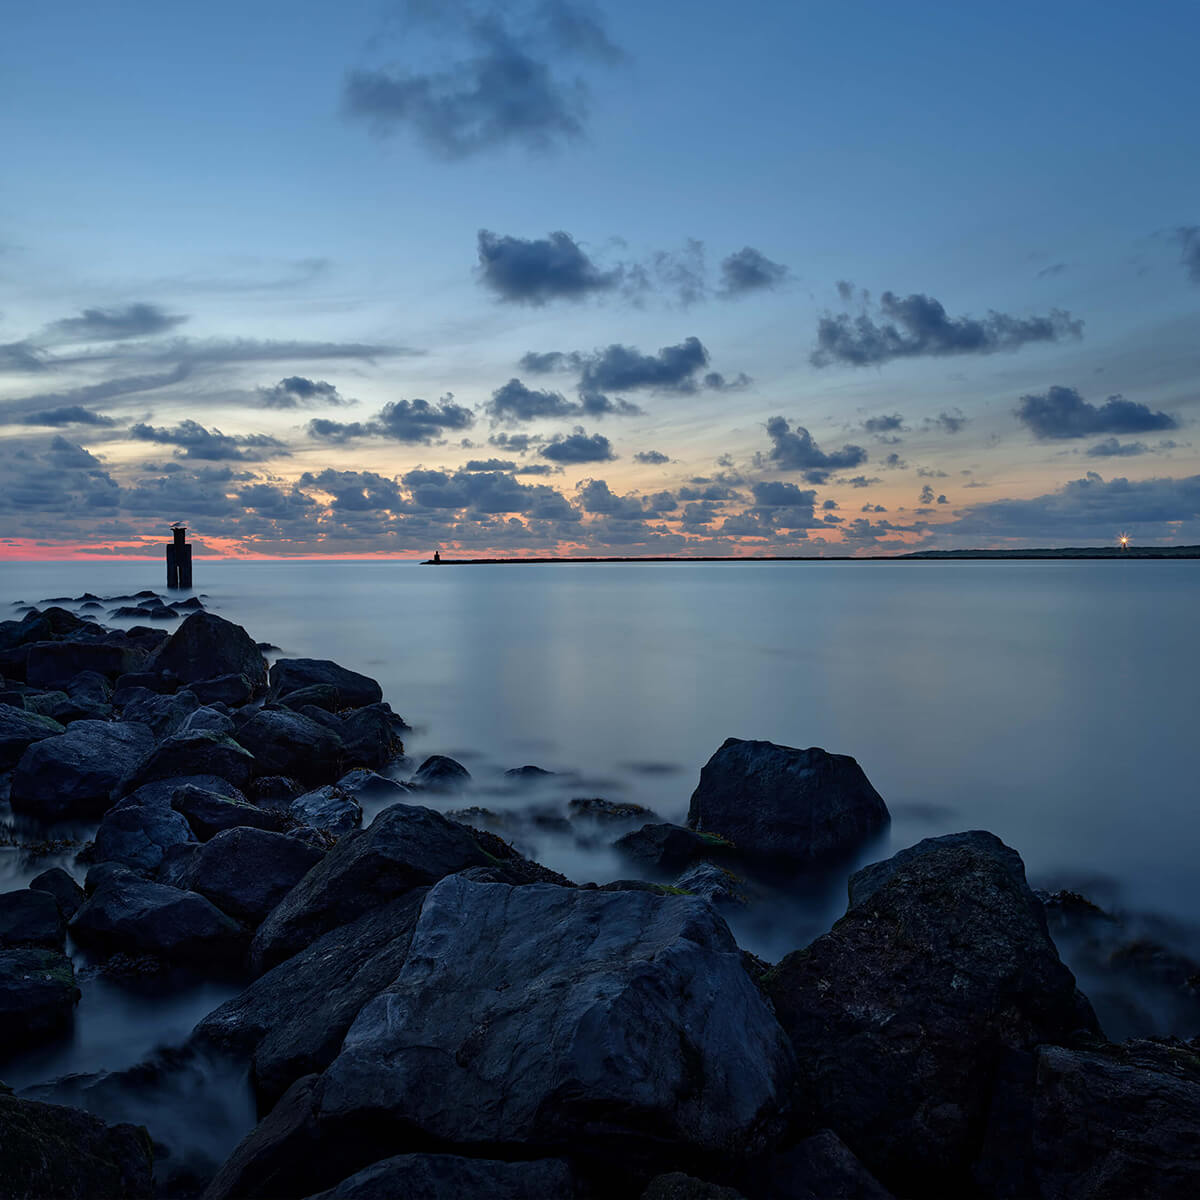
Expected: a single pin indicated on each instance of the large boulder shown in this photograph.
(900, 1014)
(234, 690)
(329, 808)
(208, 647)
(245, 872)
(405, 847)
(19, 729)
(130, 914)
(30, 918)
(139, 830)
(52, 664)
(195, 752)
(208, 720)
(782, 802)
(76, 773)
(289, 743)
(291, 1021)
(447, 1177)
(209, 812)
(439, 773)
(616, 1025)
(39, 626)
(370, 736)
(821, 1167)
(353, 690)
(165, 714)
(56, 882)
(37, 999)
(666, 847)
(48, 1150)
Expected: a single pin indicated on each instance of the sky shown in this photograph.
(369, 278)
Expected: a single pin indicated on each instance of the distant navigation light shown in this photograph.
(1123, 538)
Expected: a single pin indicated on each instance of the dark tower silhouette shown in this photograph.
(437, 556)
(179, 559)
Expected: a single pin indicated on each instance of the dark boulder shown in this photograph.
(288, 743)
(318, 695)
(153, 681)
(208, 720)
(163, 713)
(246, 872)
(209, 812)
(675, 1185)
(138, 830)
(822, 1168)
(127, 913)
(354, 690)
(715, 884)
(37, 1000)
(403, 848)
(76, 773)
(329, 808)
(291, 1021)
(50, 1151)
(528, 773)
(234, 690)
(19, 729)
(611, 1032)
(372, 789)
(39, 626)
(52, 664)
(441, 774)
(195, 753)
(782, 802)
(206, 646)
(901, 1013)
(274, 791)
(668, 847)
(30, 918)
(370, 736)
(596, 808)
(448, 1177)
(68, 895)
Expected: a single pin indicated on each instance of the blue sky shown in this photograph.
(934, 241)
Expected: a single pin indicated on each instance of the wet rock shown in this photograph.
(292, 1020)
(164, 714)
(138, 830)
(209, 813)
(318, 695)
(528, 772)
(900, 1013)
(370, 736)
(287, 743)
(37, 1000)
(153, 681)
(52, 664)
(668, 847)
(447, 1177)
(328, 808)
(368, 787)
(234, 690)
(781, 802)
(441, 774)
(68, 895)
(39, 626)
(822, 1168)
(353, 690)
(32, 919)
(19, 729)
(599, 809)
(274, 791)
(207, 647)
(195, 753)
(714, 884)
(624, 1013)
(210, 720)
(76, 773)
(246, 872)
(127, 913)
(51, 1151)
(403, 848)
(678, 1186)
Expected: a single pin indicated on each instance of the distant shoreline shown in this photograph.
(1062, 554)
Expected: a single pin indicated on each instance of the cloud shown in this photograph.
(71, 415)
(1188, 237)
(651, 457)
(72, 400)
(1054, 269)
(884, 425)
(926, 496)
(514, 402)
(893, 462)
(543, 364)
(115, 324)
(192, 440)
(796, 451)
(780, 494)
(680, 272)
(619, 368)
(750, 270)
(508, 76)
(860, 481)
(416, 422)
(947, 422)
(1111, 448)
(917, 326)
(21, 358)
(486, 492)
(490, 464)
(538, 270)
(578, 447)
(1062, 413)
(515, 443)
(295, 392)
(931, 473)
(214, 352)
(595, 496)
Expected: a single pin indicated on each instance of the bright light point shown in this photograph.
(1123, 538)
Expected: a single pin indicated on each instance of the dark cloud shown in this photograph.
(1188, 237)
(931, 473)
(192, 440)
(619, 368)
(486, 492)
(115, 324)
(543, 364)
(947, 422)
(942, 500)
(514, 402)
(21, 358)
(883, 425)
(296, 392)
(416, 422)
(511, 77)
(651, 457)
(778, 494)
(595, 496)
(750, 270)
(538, 469)
(917, 326)
(893, 462)
(680, 272)
(515, 443)
(1049, 272)
(578, 447)
(706, 489)
(1111, 448)
(222, 351)
(926, 496)
(71, 415)
(490, 464)
(357, 491)
(1062, 413)
(860, 481)
(796, 451)
(538, 270)
(37, 408)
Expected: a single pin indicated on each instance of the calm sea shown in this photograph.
(1054, 703)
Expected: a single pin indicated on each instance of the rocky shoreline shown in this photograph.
(425, 1011)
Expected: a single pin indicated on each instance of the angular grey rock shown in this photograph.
(901, 1012)
(246, 872)
(714, 884)
(164, 714)
(138, 830)
(53, 664)
(441, 774)
(328, 808)
(68, 895)
(30, 918)
(19, 729)
(209, 812)
(370, 736)
(447, 1177)
(288, 743)
(403, 848)
(668, 847)
(318, 695)
(76, 773)
(195, 753)
(208, 720)
(782, 802)
(234, 690)
(627, 1024)
(354, 690)
(207, 647)
(131, 914)
(37, 999)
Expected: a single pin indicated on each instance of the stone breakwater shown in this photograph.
(427, 1012)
